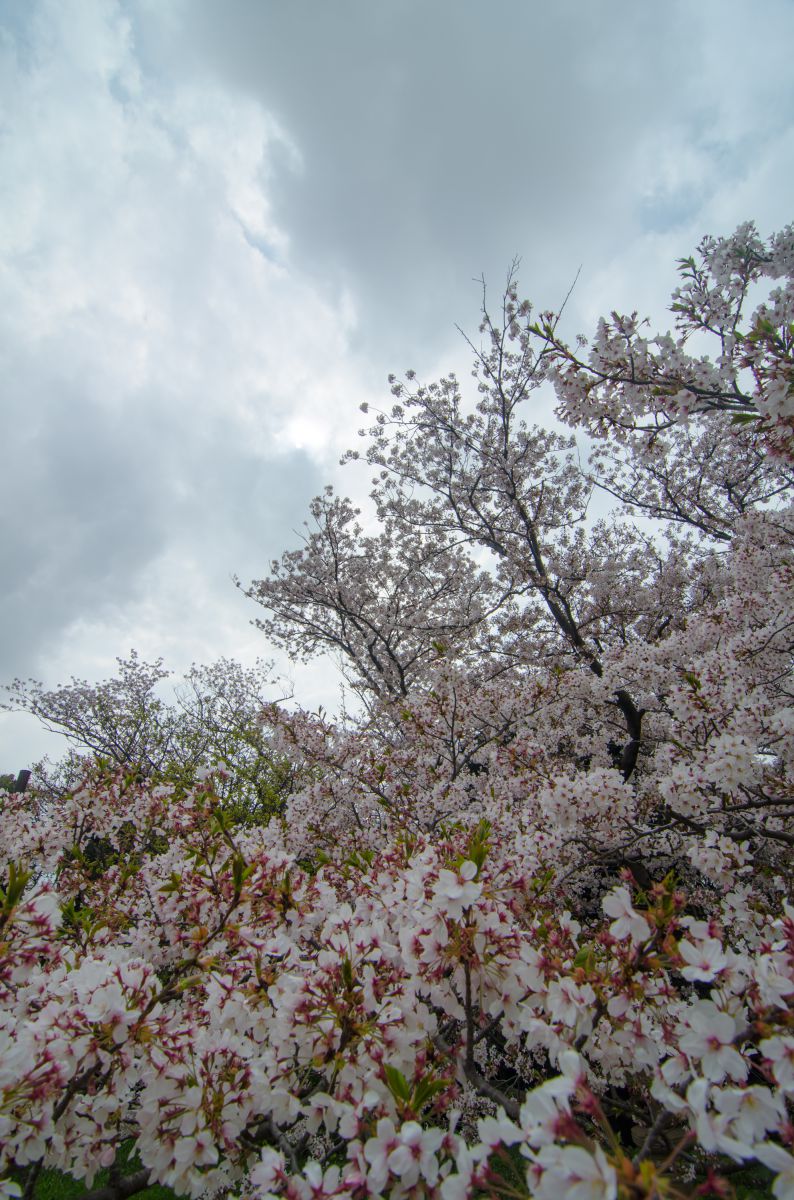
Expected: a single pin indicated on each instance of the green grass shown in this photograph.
(54, 1185)
(749, 1183)
(753, 1183)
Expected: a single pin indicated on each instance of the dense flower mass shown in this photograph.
(523, 927)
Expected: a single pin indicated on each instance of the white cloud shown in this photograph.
(168, 375)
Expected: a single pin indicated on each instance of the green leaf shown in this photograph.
(426, 1089)
(397, 1083)
(173, 885)
(585, 958)
(18, 879)
(240, 872)
(744, 418)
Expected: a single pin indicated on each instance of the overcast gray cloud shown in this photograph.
(438, 140)
(222, 225)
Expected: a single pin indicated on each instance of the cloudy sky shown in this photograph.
(224, 222)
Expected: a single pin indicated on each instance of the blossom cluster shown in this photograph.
(629, 375)
(343, 1027)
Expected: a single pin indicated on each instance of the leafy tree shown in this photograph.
(214, 723)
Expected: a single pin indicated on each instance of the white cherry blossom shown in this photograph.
(628, 922)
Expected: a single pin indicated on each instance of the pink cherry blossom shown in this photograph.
(573, 1172)
(628, 923)
(455, 890)
(707, 1038)
(704, 960)
(779, 1051)
(782, 1163)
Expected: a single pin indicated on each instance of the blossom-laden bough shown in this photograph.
(523, 926)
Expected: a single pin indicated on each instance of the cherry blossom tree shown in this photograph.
(524, 925)
(388, 605)
(634, 383)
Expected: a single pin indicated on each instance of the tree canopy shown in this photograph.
(522, 925)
